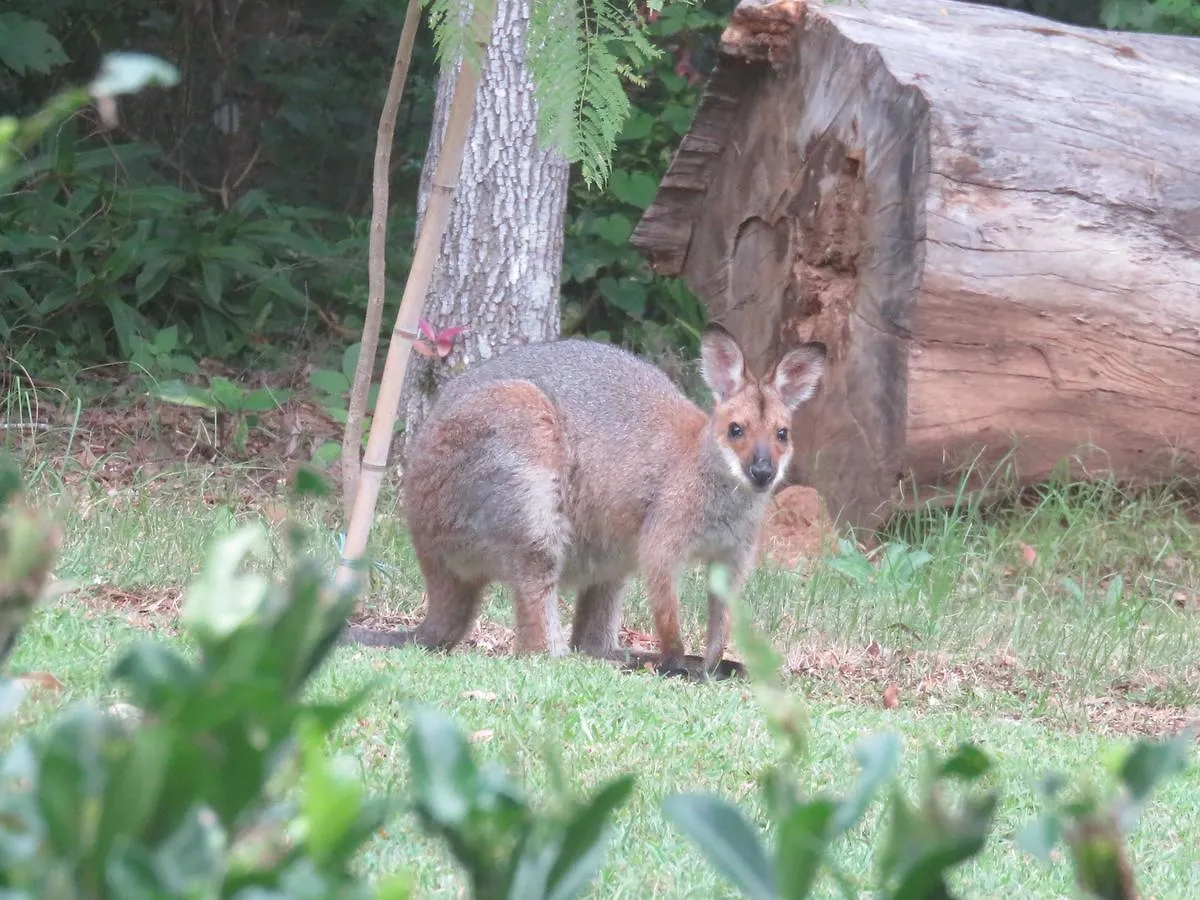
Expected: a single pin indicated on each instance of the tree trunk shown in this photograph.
(992, 220)
(498, 272)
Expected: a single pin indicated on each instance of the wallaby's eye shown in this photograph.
(735, 430)
(782, 434)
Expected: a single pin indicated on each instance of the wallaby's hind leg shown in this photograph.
(451, 607)
(484, 499)
(596, 631)
(535, 605)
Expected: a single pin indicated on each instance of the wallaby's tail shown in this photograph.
(370, 637)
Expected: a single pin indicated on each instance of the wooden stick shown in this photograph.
(376, 259)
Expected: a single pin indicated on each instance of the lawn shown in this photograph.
(1049, 631)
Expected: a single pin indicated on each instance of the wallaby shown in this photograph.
(572, 464)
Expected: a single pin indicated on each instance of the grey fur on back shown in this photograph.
(589, 382)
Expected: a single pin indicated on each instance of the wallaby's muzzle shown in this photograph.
(761, 472)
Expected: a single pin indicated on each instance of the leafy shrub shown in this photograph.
(103, 251)
(101, 263)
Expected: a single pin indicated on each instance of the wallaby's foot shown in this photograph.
(676, 670)
(689, 667)
(371, 637)
(727, 668)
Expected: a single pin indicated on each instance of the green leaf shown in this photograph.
(614, 229)
(879, 757)
(635, 188)
(123, 258)
(214, 281)
(728, 841)
(130, 871)
(226, 393)
(443, 774)
(968, 762)
(678, 117)
(350, 361)
(637, 126)
(331, 803)
(852, 563)
(308, 482)
(157, 676)
(167, 339)
(150, 281)
(70, 780)
(26, 45)
(801, 845)
(326, 453)
(1099, 860)
(329, 382)
(193, 857)
(530, 868)
(1039, 836)
(923, 846)
(175, 391)
(1149, 762)
(134, 783)
(583, 841)
(263, 399)
(221, 599)
(627, 295)
(125, 323)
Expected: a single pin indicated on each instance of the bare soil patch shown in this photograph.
(125, 434)
(872, 675)
(797, 528)
(147, 609)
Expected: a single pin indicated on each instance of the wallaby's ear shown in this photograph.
(798, 373)
(721, 362)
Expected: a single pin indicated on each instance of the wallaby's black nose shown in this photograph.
(761, 472)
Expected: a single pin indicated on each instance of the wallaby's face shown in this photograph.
(751, 417)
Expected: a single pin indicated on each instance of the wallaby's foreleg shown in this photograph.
(597, 626)
(662, 565)
(718, 617)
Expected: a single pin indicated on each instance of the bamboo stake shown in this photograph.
(429, 243)
(376, 258)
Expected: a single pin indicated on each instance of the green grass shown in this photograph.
(675, 736)
(1068, 636)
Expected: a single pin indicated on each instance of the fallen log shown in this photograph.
(991, 219)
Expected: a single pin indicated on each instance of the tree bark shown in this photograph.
(499, 268)
(991, 219)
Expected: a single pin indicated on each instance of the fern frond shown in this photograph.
(454, 28)
(555, 53)
(580, 54)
